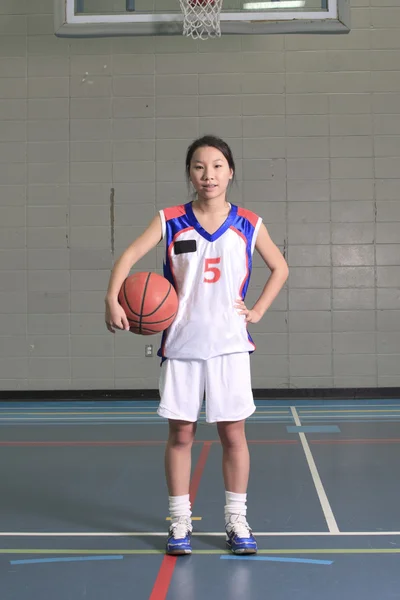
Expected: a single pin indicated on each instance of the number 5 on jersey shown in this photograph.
(214, 271)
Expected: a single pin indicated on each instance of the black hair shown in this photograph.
(213, 142)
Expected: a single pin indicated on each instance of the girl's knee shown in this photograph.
(232, 434)
(181, 433)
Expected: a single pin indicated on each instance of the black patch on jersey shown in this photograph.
(185, 246)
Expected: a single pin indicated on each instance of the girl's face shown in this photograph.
(210, 173)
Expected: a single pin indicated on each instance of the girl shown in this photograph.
(209, 248)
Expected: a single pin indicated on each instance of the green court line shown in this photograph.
(155, 551)
(113, 413)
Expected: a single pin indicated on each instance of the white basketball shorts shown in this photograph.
(225, 380)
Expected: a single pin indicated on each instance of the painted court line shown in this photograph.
(119, 413)
(93, 443)
(135, 413)
(153, 403)
(81, 443)
(359, 441)
(261, 551)
(72, 559)
(149, 411)
(323, 498)
(136, 421)
(193, 518)
(40, 534)
(278, 559)
(109, 419)
(146, 402)
(77, 406)
(313, 429)
(345, 410)
(164, 576)
(348, 418)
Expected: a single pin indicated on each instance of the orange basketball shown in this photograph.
(149, 301)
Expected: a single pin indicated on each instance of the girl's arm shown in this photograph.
(274, 259)
(115, 315)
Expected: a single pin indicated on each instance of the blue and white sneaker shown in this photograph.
(179, 536)
(239, 536)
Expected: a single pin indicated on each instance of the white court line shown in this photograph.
(323, 498)
(131, 419)
(120, 420)
(112, 409)
(79, 419)
(66, 408)
(199, 533)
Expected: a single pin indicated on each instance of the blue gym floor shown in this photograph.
(83, 504)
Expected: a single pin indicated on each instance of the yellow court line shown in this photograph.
(291, 551)
(92, 413)
(193, 518)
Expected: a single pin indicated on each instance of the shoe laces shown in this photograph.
(180, 528)
(239, 525)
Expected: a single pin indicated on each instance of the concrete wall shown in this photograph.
(314, 124)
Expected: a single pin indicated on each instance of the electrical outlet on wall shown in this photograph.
(148, 350)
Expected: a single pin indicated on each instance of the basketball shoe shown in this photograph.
(179, 536)
(239, 536)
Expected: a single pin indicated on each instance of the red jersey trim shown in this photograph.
(240, 234)
(174, 211)
(248, 214)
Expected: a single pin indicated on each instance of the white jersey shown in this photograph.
(209, 273)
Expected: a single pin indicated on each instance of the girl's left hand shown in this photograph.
(251, 316)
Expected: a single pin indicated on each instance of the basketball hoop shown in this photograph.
(201, 18)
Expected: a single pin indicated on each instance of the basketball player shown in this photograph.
(209, 249)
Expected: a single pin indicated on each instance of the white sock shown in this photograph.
(179, 506)
(235, 505)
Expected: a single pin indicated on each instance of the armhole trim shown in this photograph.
(255, 234)
(163, 225)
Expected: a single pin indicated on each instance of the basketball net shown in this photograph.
(201, 18)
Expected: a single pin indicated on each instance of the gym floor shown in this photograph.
(83, 504)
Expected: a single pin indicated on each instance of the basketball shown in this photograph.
(149, 301)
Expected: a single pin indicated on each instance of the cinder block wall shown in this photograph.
(314, 123)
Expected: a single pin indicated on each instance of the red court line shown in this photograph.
(163, 580)
(201, 463)
(126, 443)
(87, 443)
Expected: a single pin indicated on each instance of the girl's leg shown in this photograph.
(181, 392)
(236, 468)
(178, 456)
(235, 455)
(177, 471)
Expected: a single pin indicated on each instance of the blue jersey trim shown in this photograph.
(217, 234)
